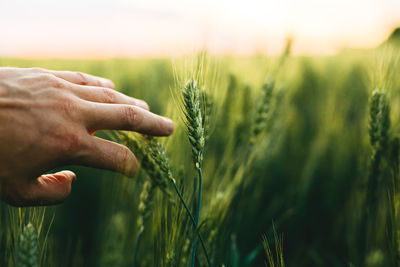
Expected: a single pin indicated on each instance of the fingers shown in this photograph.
(95, 89)
(51, 189)
(111, 156)
(48, 189)
(82, 78)
(126, 117)
(106, 95)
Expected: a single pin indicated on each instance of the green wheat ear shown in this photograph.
(192, 101)
(379, 123)
(379, 126)
(207, 108)
(145, 204)
(262, 112)
(27, 252)
(154, 163)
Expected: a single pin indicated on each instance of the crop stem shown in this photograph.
(193, 220)
(198, 212)
(137, 244)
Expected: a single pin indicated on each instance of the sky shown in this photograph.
(133, 28)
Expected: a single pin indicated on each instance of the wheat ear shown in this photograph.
(27, 253)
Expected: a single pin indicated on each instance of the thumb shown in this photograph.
(50, 189)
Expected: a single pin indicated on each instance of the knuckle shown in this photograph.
(99, 83)
(52, 81)
(67, 104)
(44, 76)
(71, 143)
(37, 69)
(109, 95)
(132, 116)
(82, 78)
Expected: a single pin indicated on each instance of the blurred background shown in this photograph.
(304, 176)
(122, 28)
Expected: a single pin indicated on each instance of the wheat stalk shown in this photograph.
(156, 164)
(195, 121)
(379, 124)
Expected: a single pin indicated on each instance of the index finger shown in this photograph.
(100, 116)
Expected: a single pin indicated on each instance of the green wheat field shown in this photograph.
(296, 158)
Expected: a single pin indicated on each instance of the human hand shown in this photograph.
(46, 121)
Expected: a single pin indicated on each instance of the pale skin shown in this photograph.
(46, 121)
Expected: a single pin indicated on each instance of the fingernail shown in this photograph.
(72, 175)
(132, 173)
(143, 104)
(108, 83)
(130, 170)
(169, 126)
